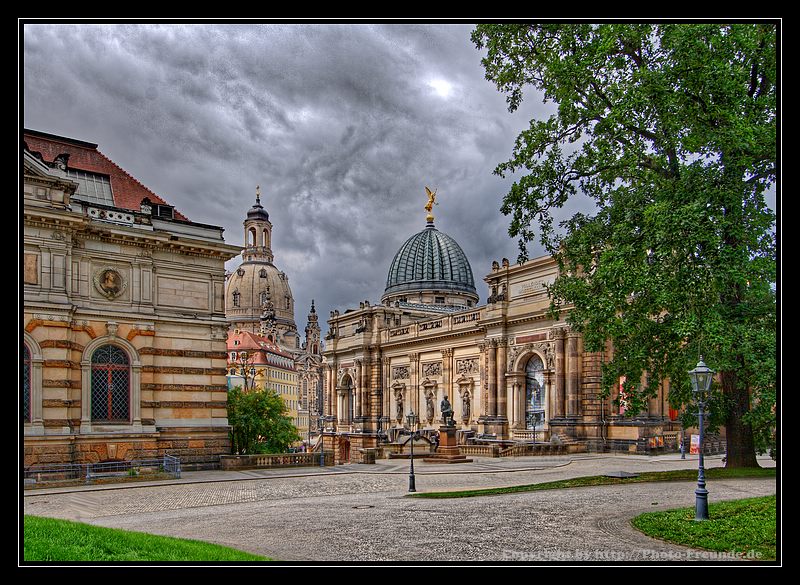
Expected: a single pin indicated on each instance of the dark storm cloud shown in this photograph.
(341, 125)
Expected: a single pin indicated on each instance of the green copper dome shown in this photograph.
(430, 260)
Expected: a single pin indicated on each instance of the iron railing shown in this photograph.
(157, 468)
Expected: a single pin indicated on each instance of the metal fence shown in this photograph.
(143, 469)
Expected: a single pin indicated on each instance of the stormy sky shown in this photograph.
(342, 126)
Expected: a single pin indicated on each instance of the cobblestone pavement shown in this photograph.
(358, 512)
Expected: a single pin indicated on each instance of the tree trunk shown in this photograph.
(739, 436)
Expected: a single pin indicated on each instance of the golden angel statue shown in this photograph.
(431, 202)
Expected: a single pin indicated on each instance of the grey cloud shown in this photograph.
(337, 123)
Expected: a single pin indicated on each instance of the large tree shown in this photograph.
(670, 129)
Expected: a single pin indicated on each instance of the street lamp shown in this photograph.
(411, 418)
(701, 377)
(322, 439)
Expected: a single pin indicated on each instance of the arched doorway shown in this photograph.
(535, 393)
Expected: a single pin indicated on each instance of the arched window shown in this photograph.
(111, 374)
(534, 393)
(26, 384)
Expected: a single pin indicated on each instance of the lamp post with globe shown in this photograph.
(701, 377)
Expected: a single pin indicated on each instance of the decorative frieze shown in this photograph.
(400, 373)
(467, 366)
(432, 369)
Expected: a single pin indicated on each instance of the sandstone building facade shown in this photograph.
(124, 329)
(513, 374)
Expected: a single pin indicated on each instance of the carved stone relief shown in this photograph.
(432, 369)
(109, 282)
(400, 373)
(545, 348)
(467, 366)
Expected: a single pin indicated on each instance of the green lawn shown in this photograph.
(46, 539)
(744, 527)
(592, 480)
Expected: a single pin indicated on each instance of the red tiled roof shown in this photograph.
(250, 341)
(128, 192)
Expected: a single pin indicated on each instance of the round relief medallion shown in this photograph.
(109, 282)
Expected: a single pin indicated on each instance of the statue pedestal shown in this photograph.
(448, 451)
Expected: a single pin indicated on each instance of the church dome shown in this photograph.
(248, 288)
(431, 263)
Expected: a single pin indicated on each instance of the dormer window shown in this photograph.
(92, 187)
(164, 211)
(236, 298)
(262, 273)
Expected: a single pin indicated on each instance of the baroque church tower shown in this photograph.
(258, 297)
(311, 344)
(309, 368)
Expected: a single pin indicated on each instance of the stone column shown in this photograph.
(386, 392)
(550, 396)
(327, 399)
(516, 404)
(447, 363)
(357, 386)
(559, 410)
(522, 405)
(502, 391)
(572, 376)
(492, 376)
(376, 390)
(413, 372)
(480, 399)
(364, 385)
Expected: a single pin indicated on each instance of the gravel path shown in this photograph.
(359, 512)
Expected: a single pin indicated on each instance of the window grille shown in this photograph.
(110, 385)
(26, 384)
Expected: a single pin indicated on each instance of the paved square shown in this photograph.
(359, 513)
